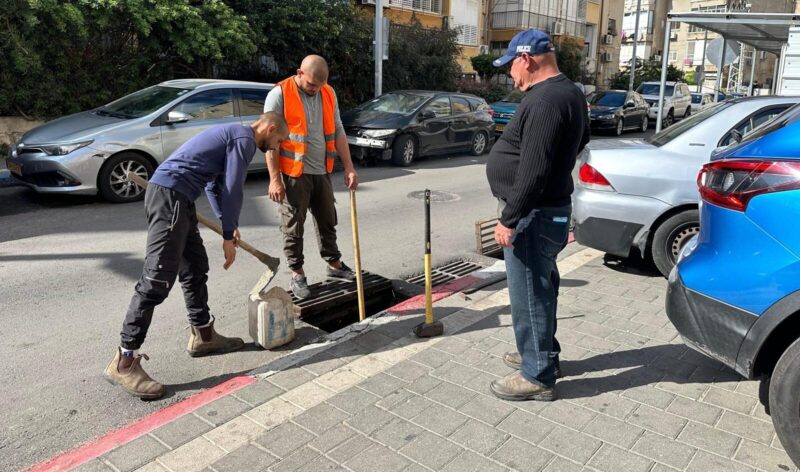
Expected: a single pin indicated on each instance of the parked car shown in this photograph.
(407, 124)
(505, 109)
(94, 150)
(735, 294)
(677, 100)
(701, 100)
(617, 111)
(642, 194)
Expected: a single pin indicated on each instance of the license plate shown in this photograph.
(499, 127)
(359, 141)
(14, 168)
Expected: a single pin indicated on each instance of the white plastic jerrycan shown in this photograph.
(271, 318)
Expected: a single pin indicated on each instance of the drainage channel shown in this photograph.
(334, 304)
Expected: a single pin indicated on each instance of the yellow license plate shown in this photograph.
(14, 168)
(499, 127)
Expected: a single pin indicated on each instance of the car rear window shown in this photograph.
(460, 105)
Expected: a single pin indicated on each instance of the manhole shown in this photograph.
(436, 196)
(446, 273)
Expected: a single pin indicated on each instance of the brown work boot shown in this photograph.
(515, 387)
(134, 379)
(207, 341)
(514, 360)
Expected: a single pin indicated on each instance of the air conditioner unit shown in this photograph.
(673, 35)
(558, 28)
(483, 49)
(608, 39)
(657, 57)
(605, 57)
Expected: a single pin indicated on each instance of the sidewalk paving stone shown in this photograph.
(633, 398)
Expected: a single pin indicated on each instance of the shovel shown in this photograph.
(272, 263)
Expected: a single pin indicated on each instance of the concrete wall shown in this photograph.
(12, 128)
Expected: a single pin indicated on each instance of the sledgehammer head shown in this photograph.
(425, 330)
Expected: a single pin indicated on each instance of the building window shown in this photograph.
(709, 9)
(673, 56)
(467, 35)
(612, 26)
(426, 6)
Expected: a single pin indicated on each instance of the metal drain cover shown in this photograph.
(436, 196)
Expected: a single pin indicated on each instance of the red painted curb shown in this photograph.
(439, 292)
(97, 447)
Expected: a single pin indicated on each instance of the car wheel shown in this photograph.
(669, 119)
(688, 113)
(620, 127)
(670, 237)
(404, 150)
(479, 143)
(113, 179)
(644, 124)
(784, 403)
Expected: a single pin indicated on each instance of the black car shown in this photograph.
(406, 124)
(617, 111)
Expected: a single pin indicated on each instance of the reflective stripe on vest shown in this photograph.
(293, 150)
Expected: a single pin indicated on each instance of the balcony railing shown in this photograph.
(426, 6)
(521, 19)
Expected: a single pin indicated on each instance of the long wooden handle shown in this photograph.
(215, 227)
(357, 254)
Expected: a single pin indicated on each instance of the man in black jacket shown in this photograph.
(530, 173)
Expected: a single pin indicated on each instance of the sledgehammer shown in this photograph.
(429, 328)
(272, 263)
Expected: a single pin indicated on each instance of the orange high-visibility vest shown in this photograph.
(293, 150)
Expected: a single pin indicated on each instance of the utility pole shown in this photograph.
(378, 47)
(635, 40)
(703, 64)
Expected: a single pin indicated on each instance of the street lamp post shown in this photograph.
(378, 48)
(635, 40)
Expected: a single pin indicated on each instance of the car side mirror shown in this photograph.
(736, 136)
(175, 117)
(427, 114)
(630, 105)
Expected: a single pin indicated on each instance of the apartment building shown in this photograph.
(564, 20)
(603, 40)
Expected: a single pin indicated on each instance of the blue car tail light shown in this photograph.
(733, 183)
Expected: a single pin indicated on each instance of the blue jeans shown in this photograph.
(533, 281)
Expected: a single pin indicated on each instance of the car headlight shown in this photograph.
(606, 117)
(378, 133)
(63, 149)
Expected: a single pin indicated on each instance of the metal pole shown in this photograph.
(378, 47)
(635, 40)
(775, 75)
(703, 63)
(753, 71)
(428, 283)
(664, 65)
(720, 66)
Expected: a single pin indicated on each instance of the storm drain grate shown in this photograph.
(446, 273)
(333, 293)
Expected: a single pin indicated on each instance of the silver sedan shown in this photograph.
(92, 151)
(635, 194)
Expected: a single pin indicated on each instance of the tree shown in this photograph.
(483, 66)
(646, 71)
(570, 61)
(58, 57)
(421, 58)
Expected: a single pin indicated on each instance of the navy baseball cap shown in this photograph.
(532, 41)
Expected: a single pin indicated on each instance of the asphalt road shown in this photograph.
(68, 266)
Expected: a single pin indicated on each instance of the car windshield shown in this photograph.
(401, 103)
(655, 89)
(514, 97)
(141, 103)
(686, 124)
(607, 99)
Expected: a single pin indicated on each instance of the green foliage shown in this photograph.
(62, 56)
(646, 71)
(689, 77)
(58, 57)
(482, 65)
(570, 61)
(489, 91)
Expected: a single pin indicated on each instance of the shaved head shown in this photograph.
(316, 67)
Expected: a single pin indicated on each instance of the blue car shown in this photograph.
(505, 109)
(735, 292)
